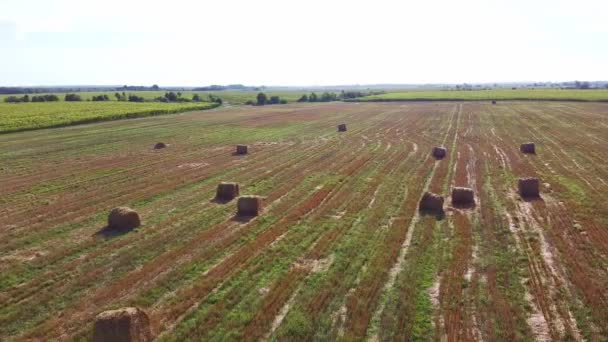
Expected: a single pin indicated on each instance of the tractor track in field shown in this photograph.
(358, 322)
(544, 250)
(457, 318)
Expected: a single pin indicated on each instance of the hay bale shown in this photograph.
(342, 128)
(160, 145)
(529, 187)
(241, 149)
(463, 196)
(126, 324)
(249, 205)
(227, 191)
(493, 101)
(439, 152)
(123, 218)
(527, 148)
(431, 202)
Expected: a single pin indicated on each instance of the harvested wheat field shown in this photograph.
(340, 249)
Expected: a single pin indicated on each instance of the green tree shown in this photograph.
(213, 98)
(171, 96)
(12, 99)
(101, 98)
(135, 98)
(326, 97)
(72, 97)
(261, 99)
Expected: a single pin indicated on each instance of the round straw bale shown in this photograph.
(123, 218)
(160, 145)
(529, 187)
(431, 202)
(439, 152)
(126, 324)
(226, 191)
(249, 205)
(463, 196)
(241, 149)
(527, 148)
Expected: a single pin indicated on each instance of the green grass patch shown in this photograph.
(496, 94)
(28, 116)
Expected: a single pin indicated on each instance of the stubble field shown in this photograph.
(340, 250)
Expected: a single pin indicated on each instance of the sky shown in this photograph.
(300, 43)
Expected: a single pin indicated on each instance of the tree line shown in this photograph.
(177, 97)
(73, 97)
(35, 98)
(262, 99)
(343, 95)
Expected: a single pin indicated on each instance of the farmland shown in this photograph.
(27, 116)
(340, 250)
(494, 94)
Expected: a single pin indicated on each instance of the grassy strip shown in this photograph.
(565, 187)
(409, 308)
(486, 95)
(414, 318)
(507, 308)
